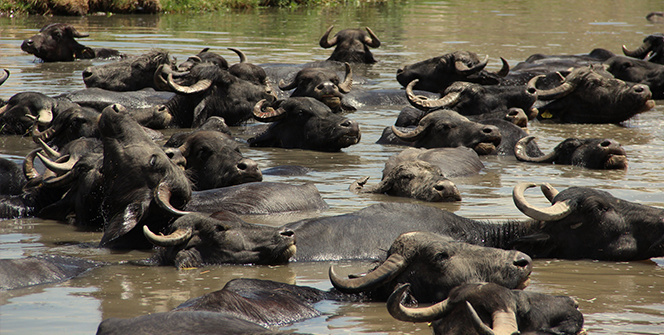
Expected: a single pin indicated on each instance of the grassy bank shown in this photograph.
(84, 7)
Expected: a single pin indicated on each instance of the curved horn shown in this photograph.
(424, 103)
(270, 115)
(29, 165)
(41, 135)
(243, 57)
(58, 167)
(199, 86)
(4, 75)
(521, 152)
(175, 238)
(505, 69)
(551, 94)
(52, 153)
(504, 322)
(553, 213)
(549, 191)
(641, 52)
(373, 42)
(287, 87)
(162, 195)
(158, 78)
(411, 136)
(425, 314)
(324, 42)
(392, 266)
(347, 84)
(462, 68)
(60, 181)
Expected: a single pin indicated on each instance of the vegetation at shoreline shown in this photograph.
(85, 7)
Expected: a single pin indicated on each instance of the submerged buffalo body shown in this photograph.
(131, 74)
(56, 43)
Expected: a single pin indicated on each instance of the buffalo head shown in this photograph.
(593, 153)
(352, 45)
(55, 43)
(592, 95)
(129, 74)
(136, 171)
(304, 123)
(487, 308)
(197, 240)
(446, 128)
(436, 74)
(323, 84)
(434, 264)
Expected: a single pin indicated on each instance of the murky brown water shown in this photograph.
(616, 298)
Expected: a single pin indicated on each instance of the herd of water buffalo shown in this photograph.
(104, 167)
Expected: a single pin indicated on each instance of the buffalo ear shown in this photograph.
(85, 53)
(122, 223)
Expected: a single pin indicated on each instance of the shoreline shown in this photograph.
(94, 7)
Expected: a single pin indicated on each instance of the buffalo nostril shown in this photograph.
(638, 89)
(399, 71)
(487, 130)
(605, 143)
(513, 113)
(87, 73)
(287, 233)
(242, 166)
(522, 260)
(346, 123)
(29, 42)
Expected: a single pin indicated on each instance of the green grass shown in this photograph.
(167, 6)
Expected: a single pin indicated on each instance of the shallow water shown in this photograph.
(616, 298)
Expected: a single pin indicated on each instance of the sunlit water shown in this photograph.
(616, 298)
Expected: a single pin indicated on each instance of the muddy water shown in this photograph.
(616, 298)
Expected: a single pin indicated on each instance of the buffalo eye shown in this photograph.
(441, 256)
(57, 35)
(626, 66)
(219, 228)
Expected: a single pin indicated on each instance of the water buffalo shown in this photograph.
(437, 73)
(213, 160)
(569, 229)
(322, 84)
(240, 304)
(45, 269)
(592, 153)
(134, 168)
(206, 91)
(55, 43)
(470, 99)
(434, 264)
(24, 109)
(423, 173)
(446, 128)
(638, 71)
(592, 95)
(352, 45)
(487, 308)
(199, 240)
(12, 178)
(130, 74)
(183, 323)
(304, 123)
(99, 98)
(652, 49)
(413, 179)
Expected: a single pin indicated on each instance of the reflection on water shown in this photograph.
(616, 298)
